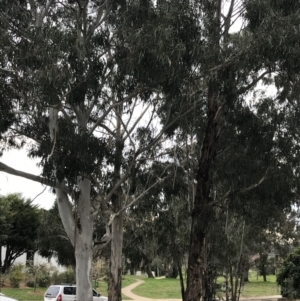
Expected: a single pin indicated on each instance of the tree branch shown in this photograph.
(104, 115)
(253, 186)
(245, 89)
(25, 175)
(137, 121)
(158, 137)
(98, 20)
(118, 184)
(159, 181)
(66, 214)
(9, 71)
(242, 190)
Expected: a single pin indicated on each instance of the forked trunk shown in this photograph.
(80, 232)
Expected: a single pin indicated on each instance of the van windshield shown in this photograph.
(52, 291)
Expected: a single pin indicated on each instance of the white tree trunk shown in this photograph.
(83, 255)
(80, 232)
(84, 243)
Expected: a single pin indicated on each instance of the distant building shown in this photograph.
(37, 259)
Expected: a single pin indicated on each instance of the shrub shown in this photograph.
(30, 283)
(68, 276)
(289, 275)
(16, 275)
(41, 274)
(55, 278)
(43, 280)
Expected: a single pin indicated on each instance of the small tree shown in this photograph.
(22, 220)
(40, 273)
(289, 275)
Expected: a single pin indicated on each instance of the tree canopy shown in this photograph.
(22, 220)
(110, 95)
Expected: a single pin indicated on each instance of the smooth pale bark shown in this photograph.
(83, 255)
(84, 243)
(81, 236)
(80, 228)
(65, 212)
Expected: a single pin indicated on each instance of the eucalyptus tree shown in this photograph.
(82, 81)
(231, 65)
(161, 218)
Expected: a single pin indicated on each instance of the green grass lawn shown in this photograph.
(165, 288)
(257, 287)
(28, 294)
(24, 294)
(170, 288)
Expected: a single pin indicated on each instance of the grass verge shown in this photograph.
(257, 287)
(24, 294)
(28, 294)
(170, 288)
(165, 288)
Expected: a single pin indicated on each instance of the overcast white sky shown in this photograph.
(11, 184)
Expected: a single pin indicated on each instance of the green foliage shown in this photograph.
(16, 275)
(44, 280)
(52, 238)
(23, 219)
(24, 293)
(30, 283)
(69, 276)
(175, 50)
(40, 273)
(4, 219)
(289, 275)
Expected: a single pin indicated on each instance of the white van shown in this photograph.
(65, 292)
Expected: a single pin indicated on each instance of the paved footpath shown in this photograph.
(127, 292)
